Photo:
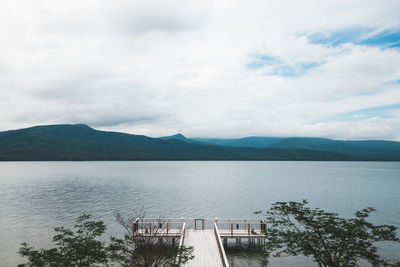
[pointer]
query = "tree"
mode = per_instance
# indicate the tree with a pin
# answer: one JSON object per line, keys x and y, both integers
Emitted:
{"x": 83, "y": 247}
{"x": 296, "y": 229}
{"x": 74, "y": 248}
{"x": 142, "y": 245}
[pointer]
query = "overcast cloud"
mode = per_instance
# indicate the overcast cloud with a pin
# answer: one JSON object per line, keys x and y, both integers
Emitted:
{"x": 213, "y": 68}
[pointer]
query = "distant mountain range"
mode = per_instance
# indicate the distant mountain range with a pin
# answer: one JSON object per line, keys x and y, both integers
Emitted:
{"x": 365, "y": 149}
{"x": 81, "y": 142}
{"x": 368, "y": 149}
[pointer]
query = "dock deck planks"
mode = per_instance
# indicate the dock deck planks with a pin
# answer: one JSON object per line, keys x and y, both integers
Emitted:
{"x": 206, "y": 253}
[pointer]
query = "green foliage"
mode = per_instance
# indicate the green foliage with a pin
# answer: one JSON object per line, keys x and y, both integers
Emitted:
{"x": 186, "y": 254}
{"x": 73, "y": 248}
{"x": 144, "y": 250}
{"x": 296, "y": 229}
{"x": 82, "y": 247}
{"x": 138, "y": 252}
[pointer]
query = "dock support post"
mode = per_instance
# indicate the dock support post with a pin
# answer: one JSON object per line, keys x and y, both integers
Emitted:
{"x": 265, "y": 228}
{"x": 135, "y": 226}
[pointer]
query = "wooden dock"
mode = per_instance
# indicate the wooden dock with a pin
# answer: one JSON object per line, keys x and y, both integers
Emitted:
{"x": 206, "y": 252}
{"x": 206, "y": 236}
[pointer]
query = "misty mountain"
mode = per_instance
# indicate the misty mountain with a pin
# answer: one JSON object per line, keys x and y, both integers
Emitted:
{"x": 368, "y": 149}
{"x": 372, "y": 149}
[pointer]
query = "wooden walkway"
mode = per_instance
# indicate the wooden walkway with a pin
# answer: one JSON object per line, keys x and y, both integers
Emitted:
{"x": 207, "y": 243}
{"x": 206, "y": 253}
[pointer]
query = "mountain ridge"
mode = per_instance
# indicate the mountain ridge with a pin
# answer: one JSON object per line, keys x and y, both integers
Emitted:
{"x": 371, "y": 149}
{"x": 81, "y": 142}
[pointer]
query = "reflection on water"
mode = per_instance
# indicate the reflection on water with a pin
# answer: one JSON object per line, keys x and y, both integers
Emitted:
{"x": 245, "y": 255}
{"x": 35, "y": 197}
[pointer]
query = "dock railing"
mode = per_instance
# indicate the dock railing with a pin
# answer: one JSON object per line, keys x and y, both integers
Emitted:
{"x": 161, "y": 227}
{"x": 180, "y": 247}
{"x": 220, "y": 247}
{"x": 242, "y": 227}
{"x": 171, "y": 227}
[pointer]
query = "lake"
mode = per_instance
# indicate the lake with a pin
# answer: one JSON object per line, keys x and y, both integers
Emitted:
{"x": 35, "y": 197}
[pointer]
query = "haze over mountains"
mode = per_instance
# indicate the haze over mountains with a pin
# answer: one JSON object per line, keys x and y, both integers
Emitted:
{"x": 379, "y": 149}
{"x": 81, "y": 142}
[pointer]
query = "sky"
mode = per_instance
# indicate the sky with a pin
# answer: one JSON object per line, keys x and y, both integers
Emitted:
{"x": 210, "y": 68}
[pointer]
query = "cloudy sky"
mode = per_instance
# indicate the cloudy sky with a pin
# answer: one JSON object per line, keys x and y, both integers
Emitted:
{"x": 214, "y": 68}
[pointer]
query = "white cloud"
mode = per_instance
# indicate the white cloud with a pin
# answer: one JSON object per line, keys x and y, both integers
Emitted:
{"x": 161, "y": 67}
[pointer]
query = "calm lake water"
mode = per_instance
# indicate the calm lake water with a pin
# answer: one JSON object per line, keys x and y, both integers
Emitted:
{"x": 35, "y": 197}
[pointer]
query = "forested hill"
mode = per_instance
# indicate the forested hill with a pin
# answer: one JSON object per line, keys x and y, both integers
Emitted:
{"x": 368, "y": 149}
{"x": 81, "y": 142}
